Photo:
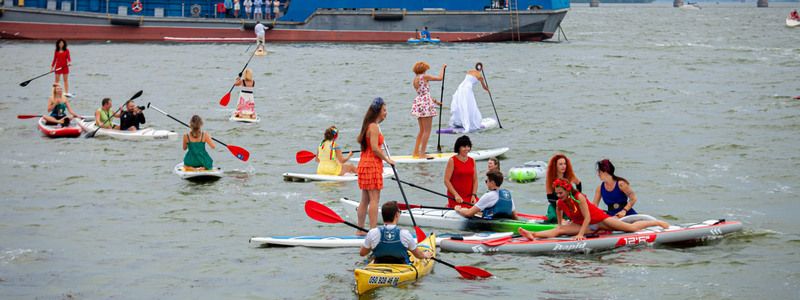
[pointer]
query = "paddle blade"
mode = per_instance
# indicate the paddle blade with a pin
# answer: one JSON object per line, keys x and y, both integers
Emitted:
{"x": 24, "y": 83}
{"x": 469, "y": 272}
{"x": 28, "y": 116}
{"x": 420, "y": 234}
{"x": 403, "y": 206}
{"x": 322, "y": 213}
{"x": 797, "y": 97}
{"x": 225, "y": 99}
{"x": 304, "y": 156}
{"x": 137, "y": 95}
{"x": 239, "y": 152}
{"x": 496, "y": 242}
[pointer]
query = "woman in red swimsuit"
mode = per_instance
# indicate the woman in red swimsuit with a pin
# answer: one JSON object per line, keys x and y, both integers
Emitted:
{"x": 576, "y": 206}
{"x": 370, "y": 166}
{"x": 60, "y": 64}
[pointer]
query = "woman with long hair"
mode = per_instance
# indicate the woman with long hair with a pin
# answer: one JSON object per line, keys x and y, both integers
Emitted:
{"x": 615, "y": 191}
{"x": 58, "y": 106}
{"x": 370, "y": 166}
{"x": 61, "y": 63}
{"x": 585, "y": 216}
{"x": 329, "y": 155}
{"x": 194, "y": 143}
{"x": 246, "y": 107}
{"x": 559, "y": 167}
{"x": 424, "y": 106}
{"x": 460, "y": 177}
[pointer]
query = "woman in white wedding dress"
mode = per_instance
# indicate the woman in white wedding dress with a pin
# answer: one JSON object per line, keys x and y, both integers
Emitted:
{"x": 464, "y": 109}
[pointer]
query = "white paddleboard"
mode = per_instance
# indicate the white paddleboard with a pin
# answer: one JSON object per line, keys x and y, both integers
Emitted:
{"x": 352, "y": 241}
{"x": 443, "y": 157}
{"x": 206, "y": 175}
{"x": 244, "y": 120}
{"x": 486, "y": 124}
{"x": 88, "y": 125}
{"x": 300, "y": 177}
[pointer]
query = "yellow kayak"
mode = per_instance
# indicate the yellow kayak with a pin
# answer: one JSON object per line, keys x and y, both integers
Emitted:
{"x": 377, "y": 275}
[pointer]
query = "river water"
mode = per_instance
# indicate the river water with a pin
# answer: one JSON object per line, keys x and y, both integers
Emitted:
{"x": 693, "y": 107}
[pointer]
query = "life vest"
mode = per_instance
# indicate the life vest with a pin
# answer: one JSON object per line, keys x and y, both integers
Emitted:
{"x": 503, "y": 208}
{"x": 390, "y": 245}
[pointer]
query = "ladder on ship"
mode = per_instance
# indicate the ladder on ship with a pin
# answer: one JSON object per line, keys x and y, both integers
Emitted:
{"x": 513, "y": 14}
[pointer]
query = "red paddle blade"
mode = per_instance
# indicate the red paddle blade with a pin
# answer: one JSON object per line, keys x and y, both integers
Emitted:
{"x": 239, "y": 152}
{"x": 420, "y": 234}
{"x": 531, "y": 216}
{"x": 28, "y": 116}
{"x": 304, "y": 156}
{"x": 496, "y": 242}
{"x": 322, "y": 213}
{"x": 797, "y": 97}
{"x": 469, "y": 272}
{"x": 403, "y": 206}
{"x": 225, "y": 99}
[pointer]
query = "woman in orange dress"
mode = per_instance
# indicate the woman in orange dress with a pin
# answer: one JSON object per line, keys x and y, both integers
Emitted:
{"x": 370, "y": 166}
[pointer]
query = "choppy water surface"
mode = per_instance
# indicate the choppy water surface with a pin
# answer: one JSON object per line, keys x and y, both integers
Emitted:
{"x": 694, "y": 108}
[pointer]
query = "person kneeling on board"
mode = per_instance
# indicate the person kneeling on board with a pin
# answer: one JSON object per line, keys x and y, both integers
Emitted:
{"x": 586, "y": 217}
{"x": 103, "y": 116}
{"x": 132, "y": 117}
{"x": 388, "y": 243}
{"x": 495, "y": 204}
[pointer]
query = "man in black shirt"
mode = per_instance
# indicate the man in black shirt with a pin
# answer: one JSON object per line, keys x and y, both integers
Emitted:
{"x": 132, "y": 117}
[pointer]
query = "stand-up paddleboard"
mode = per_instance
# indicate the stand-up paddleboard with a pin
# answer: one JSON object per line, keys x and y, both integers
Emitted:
{"x": 301, "y": 177}
{"x": 89, "y": 125}
{"x": 443, "y": 157}
{"x": 423, "y": 41}
{"x": 69, "y": 95}
{"x": 208, "y": 39}
{"x": 261, "y": 51}
{"x": 792, "y": 22}
{"x": 198, "y": 176}
{"x": 244, "y": 120}
{"x": 528, "y": 171}
{"x": 56, "y": 131}
{"x": 486, "y": 124}
{"x": 676, "y": 234}
{"x": 354, "y": 241}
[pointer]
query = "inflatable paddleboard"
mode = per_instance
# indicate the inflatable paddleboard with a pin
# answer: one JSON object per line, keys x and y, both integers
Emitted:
{"x": 89, "y": 125}
{"x": 198, "y": 176}
{"x": 528, "y": 171}
{"x": 653, "y": 236}
{"x": 443, "y": 157}
{"x": 354, "y": 241}
{"x": 300, "y": 177}
{"x": 423, "y": 41}
{"x": 486, "y": 124}
{"x": 56, "y": 131}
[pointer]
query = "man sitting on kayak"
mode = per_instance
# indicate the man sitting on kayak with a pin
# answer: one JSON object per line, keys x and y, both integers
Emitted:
{"x": 495, "y": 204}
{"x": 388, "y": 243}
{"x": 103, "y": 115}
{"x": 426, "y": 35}
{"x": 132, "y": 117}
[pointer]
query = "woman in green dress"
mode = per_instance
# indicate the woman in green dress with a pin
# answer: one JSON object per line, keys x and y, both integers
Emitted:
{"x": 194, "y": 142}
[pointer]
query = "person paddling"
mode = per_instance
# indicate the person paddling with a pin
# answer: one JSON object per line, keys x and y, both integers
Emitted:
{"x": 58, "y": 106}
{"x": 194, "y": 143}
{"x": 61, "y": 63}
{"x": 495, "y": 204}
{"x": 103, "y": 115}
{"x": 460, "y": 177}
{"x": 370, "y": 166}
{"x": 246, "y": 107}
{"x": 330, "y": 158}
{"x": 424, "y": 106}
{"x": 388, "y": 243}
{"x": 585, "y": 216}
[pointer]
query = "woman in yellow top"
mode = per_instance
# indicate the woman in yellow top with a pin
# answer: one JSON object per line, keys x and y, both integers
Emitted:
{"x": 329, "y": 156}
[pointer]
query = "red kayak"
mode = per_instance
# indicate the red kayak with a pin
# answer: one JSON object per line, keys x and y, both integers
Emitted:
{"x": 56, "y": 131}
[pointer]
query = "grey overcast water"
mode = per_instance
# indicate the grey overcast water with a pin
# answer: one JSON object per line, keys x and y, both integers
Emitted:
{"x": 695, "y": 108}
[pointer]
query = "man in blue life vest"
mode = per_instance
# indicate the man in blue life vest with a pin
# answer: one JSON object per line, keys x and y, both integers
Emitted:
{"x": 495, "y": 204}
{"x": 388, "y": 243}
{"x": 425, "y": 33}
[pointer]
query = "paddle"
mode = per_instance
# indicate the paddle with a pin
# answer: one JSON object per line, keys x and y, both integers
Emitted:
{"x": 25, "y": 83}
{"x": 441, "y": 102}
{"x": 479, "y": 67}
{"x": 322, "y": 213}
{"x": 227, "y": 98}
{"x": 91, "y": 135}
{"x": 420, "y": 233}
{"x": 239, "y": 152}
{"x": 304, "y": 156}
{"x": 28, "y": 116}
{"x": 497, "y": 242}
{"x": 428, "y": 190}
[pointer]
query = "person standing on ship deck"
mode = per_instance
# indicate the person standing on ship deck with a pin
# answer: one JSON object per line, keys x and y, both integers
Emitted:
{"x": 248, "y": 6}
{"x": 257, "y": 9}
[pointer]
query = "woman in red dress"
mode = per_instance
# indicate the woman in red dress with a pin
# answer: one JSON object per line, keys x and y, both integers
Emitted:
{"x": 460, "y": 177}
{"x": 60, "y": 64}
{"x": 370, "y": 166}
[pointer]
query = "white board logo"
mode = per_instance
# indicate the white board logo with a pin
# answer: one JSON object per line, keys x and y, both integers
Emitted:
{"x": 570, "y": 246}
